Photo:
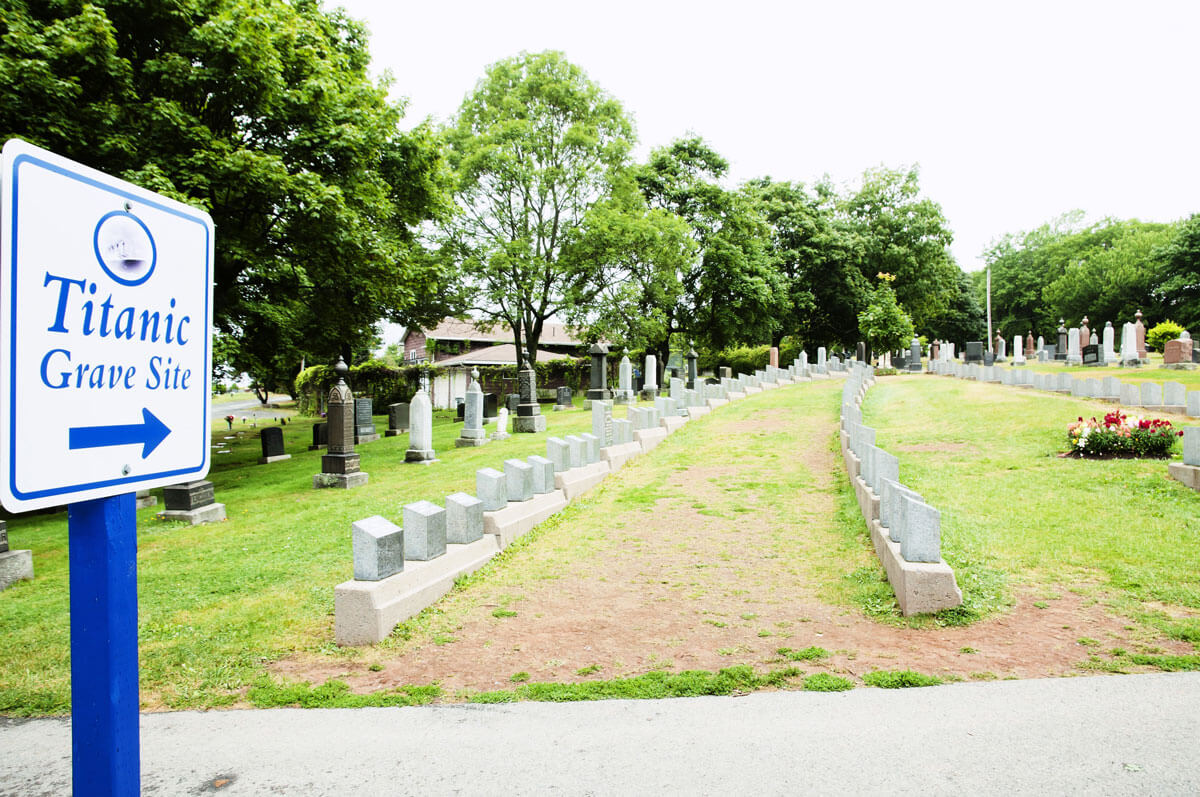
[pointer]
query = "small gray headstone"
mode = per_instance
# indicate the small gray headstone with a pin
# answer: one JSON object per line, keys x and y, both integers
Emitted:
{"x": 492, "y": 489}
{"x": 464, "y": 518}
{"x": 1174, "y": 394}
{"x": 1193, "y": 403}
{"x": 378, "y": 548}
{"x": 424, "y": 531}
{"x": 922, "y": 540}
{"x": 519, "y": 476}
{"x": 1151, "y": 394}
{"x": 3, "y": 536}
{"x": 558, "y": 451}
{"x": 1131, "y": 396}
{"x": 575, "y": 444}
{"x": 398, "y": 417}
{"x": 1191, "y": 445}
{"x": 543, "y": 474}
{"x": 591, "y": 448}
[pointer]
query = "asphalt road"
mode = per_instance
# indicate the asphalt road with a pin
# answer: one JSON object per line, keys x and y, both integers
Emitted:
{"x": 1132, "y": 734}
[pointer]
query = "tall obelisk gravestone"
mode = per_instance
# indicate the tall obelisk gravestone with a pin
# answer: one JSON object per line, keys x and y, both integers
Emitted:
{"x": 529, "y": 414}
{"x": 339, "y": 465}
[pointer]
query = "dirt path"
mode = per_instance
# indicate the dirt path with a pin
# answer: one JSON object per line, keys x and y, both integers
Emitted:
{"x": 672, "y": 566}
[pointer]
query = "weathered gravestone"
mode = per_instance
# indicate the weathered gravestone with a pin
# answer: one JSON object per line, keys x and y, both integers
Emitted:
{"x": 364, "y": 423}
{"x": 501, "y": 432}
{"x": 424, "y": 531}
{"x": 1177, "y": 351}
{"x": 320, "y": 436}
{"x": 650, "y": 381}
{"x": 397, "y": 419}
{"x": 598, "y": 384}
{"x": 1090, "y": 355}
{"x": 464, "y": 518}
{"x": 339, "y": 465}
{"x": 529, "y": 413}
{"x": 491, "y": 407}
{"x": 15, "y": 565}
{"x": 692, "y": 357}
{"x": 1074, "y": 350}
{"x": 1060, "y": 348}
{"x": 420, "y": 433}
{"x": 974, "y": 352}
{"x": 511, "y": 402}
{"x": 602, "y": 422}
{"x": 378, "y": 546}
{"x": 472, "y": 433}
{"x": 271, "y": 440}
{"x": 562, "y": 399}
{"x": 624, "y": 394}
{"x": 192, "y": 501}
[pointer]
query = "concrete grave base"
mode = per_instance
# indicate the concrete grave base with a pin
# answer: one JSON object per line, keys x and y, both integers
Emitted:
{"x": 388, "y": 433}
{"x": 269, "y": 460}
{"x": 365, "y": 612}
{"x": 342, "y": 481}
{"x": 617, "y": 455}
{"x": 698, "y": 412}
{"x": 673, "y": 422}
{"x": 818, "y": 376}
{"x": 469, "y": 442}
{"x": 205, "y": 514}
{"x": 561, "y": 407}
{"x": 1181, "y": 366}
{"x": 750, "y": 391}
{"x": 317, "y": 448}
{"x": 649, "y": 393}
{"x": 519, "y": 517}
{"x": 715, "y": 402}
{"x": 734, "y": 396}
{"x": 769, "y": 385}
{"x": 868, "y": 502}
{"x": 143, "y": 501}
{"x": 648, "y": 439}
{"x": 529, "y": 424}
{"x": 1168, "y": 409}
{"x": 423, "y": 455}
{"x": 577, "y": 481}
{"x": 365, "y": 438}
{"x": 1187, "y": 474}
{"x": 16, "y": 565}
{"x": 920, "y": 587}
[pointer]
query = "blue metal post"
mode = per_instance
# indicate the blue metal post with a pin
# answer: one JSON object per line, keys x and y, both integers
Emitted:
{"x": 106, "y": 759}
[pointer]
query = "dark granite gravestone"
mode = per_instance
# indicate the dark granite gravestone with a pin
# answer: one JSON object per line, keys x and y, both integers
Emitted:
{"x": 989, "y": 358}
{"x": 460, "y": 410}
{"x": 364, "y": 425}
{"x": 1196, "y": 354}
{"x": 512, "y": 401}
{"x": 1091, "y": 355}
{"x": 1060, "y": 350}
{"x": 320, "y": 436}
{"x": 692, "y": 357}
{"x": 271, "y": 439}
{"x": 974, "y": 351}
{"x": 598, "y": 384}
{"x": 3, "y": 536}
{"x": 191, "y": 495}
{"x": 1051, "y": 352}
{"x": 725, "y": 372}
{"x": 860, "y": 352}
{"x": 397, "y": 419}
{"x": 529, "y": 417}
{"x": 491, "y": 407}
{"x": 562, "y": 398}
{"x": 340, "y": 465}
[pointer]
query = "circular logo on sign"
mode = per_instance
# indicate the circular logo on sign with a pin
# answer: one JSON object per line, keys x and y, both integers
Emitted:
{"x": 125, "y": 247}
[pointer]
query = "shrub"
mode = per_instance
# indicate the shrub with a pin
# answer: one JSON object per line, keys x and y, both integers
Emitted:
{"x": 1157, "y": 337}
{"x": 899, "y": 679}
{"x": 1120, "y": 435}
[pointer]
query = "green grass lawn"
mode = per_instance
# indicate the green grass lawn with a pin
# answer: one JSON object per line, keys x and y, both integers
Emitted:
{"x": 986, "y": 456}
{"x": 1154, "y": 372}
{"x": 216, "y": 601}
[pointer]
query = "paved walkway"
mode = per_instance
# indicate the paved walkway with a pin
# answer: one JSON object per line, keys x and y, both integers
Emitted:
{"x": 1132, "y": 734}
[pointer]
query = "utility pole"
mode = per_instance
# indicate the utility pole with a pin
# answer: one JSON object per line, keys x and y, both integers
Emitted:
{"x": 989, "y": 308}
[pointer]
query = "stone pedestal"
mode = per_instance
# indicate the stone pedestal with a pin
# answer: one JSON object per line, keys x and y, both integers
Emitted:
{"x": 142, "y": 500}
{"x": 15, "y": 566}
{"x": 192, "y": 502}
{"x": 339, "y": 467}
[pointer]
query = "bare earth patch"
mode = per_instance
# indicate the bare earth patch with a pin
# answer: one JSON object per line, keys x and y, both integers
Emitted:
{"x": 711, "y": 573}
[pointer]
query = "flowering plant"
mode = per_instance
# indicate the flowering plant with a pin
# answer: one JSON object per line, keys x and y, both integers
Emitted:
{"x": 1121, "y": 435}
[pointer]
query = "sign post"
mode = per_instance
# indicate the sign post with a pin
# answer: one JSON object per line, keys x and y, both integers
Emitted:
{"x": 105, "y": 379}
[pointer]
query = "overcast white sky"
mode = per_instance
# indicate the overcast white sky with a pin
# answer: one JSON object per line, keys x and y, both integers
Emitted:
{"x": 1015, "y": 111}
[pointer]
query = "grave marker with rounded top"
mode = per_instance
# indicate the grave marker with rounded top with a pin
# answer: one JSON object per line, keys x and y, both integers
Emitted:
{"x": 378, "y": 546}
{"x": 464, "y": 518}
{"x": 424, "y": 531}
{"x": 420, "y": 435}
{"x": 624, "y": 380}
{"x": 501, "y": 432}
{"x": 650, "y": 383}
{"x": 473, "y": 433}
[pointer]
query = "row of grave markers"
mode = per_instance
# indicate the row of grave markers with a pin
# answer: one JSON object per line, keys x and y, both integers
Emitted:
{"x": 905, "y": 530}
{"x": 469, "y": 529}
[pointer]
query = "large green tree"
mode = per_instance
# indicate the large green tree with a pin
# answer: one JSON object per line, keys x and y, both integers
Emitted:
{"x": 534, "y": 147}
{"x": 262, "y": 113}
{"x": 728, "y": 293}
{"x": 1178, "y": 293}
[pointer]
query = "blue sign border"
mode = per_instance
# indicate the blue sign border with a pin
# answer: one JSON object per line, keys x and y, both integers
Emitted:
{"x": 67, "y": 491}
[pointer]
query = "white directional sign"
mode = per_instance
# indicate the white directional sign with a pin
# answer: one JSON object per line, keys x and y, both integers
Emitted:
{"x": 105, "y": 319}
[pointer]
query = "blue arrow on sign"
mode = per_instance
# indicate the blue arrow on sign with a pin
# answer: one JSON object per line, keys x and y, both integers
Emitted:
{"x": 150, "y": 432}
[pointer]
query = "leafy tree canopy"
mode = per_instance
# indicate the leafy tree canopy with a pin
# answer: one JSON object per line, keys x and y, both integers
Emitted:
{"x": 262, "y": 113}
